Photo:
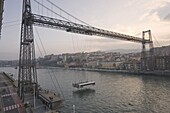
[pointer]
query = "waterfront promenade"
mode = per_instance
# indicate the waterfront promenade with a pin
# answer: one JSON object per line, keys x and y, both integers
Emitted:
{"x": 137, "y": 72}
{"x": 9, "y": 100}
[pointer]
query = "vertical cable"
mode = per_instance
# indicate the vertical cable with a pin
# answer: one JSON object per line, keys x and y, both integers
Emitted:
{"x": 42, "y": 7}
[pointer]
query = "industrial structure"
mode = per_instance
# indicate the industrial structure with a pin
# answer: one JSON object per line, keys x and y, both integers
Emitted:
{"x": 151, "y": 59}
{"x": 157, "y": 58}
{"x": 1, "y": 14}
{"x": 27, "y": 78}
{"x": 144, "y": 54}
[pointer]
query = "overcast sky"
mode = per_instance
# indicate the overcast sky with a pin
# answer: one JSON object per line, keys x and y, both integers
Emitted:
{"x": 124, "y": 16}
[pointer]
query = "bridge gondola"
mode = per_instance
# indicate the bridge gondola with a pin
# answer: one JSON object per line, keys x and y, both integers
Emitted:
{"x": 82, "y": 84}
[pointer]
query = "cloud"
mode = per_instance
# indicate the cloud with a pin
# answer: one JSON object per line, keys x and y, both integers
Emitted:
{"x": 144, "y": 16}
{"x": 158, "y": 11}
{"x": 155, "y": 4}
{"x": 150, "y": 17}
{"x": 155, "y": 11}
{"x": 167, "y": 17}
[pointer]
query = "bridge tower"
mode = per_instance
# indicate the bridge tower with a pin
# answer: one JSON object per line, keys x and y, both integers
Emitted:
{"x": 27, "y": 76}
{"x": 147, "y": 62}
{"x": 1, "y": 14}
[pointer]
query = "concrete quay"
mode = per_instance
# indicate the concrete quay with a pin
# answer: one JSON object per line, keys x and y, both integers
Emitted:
{"x": 138, "y": 72}
{"x": 10, "y": 102}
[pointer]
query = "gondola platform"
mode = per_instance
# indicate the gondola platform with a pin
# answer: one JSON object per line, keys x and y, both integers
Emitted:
{"x": 82, "y": 84}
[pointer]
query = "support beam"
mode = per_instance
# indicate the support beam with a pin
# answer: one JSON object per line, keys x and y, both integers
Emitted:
{"x": 48, "y": 22}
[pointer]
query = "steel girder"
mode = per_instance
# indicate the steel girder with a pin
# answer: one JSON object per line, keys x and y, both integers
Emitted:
{"x": 48, "y": 22}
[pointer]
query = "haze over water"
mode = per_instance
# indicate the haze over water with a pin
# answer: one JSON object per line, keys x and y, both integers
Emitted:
{"x": 113, "y": 93}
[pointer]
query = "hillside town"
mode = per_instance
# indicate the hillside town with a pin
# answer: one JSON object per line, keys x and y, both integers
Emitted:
{"x": 96, "y": 59}
{"x": 159, "y": 60}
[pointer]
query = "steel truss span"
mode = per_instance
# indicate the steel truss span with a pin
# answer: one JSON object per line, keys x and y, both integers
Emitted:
{"x": 48, "y": 22}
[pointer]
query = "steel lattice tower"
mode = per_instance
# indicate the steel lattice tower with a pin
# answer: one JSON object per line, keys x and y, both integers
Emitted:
{"x": 147, "y": 64}
{"x": 27, "y": 78}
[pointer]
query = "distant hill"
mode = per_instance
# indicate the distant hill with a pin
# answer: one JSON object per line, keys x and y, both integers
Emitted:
{"x": 124, "y": 50}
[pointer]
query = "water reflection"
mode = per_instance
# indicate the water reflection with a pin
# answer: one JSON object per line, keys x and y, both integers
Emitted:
{"x": 83, "y": 92}
{"x": 156, "y": 92}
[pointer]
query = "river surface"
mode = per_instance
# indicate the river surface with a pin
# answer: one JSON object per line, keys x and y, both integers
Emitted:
{"x": 113, "y": 93}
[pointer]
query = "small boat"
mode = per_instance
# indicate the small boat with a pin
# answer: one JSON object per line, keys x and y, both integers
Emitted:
{"x": 82, "y": 84}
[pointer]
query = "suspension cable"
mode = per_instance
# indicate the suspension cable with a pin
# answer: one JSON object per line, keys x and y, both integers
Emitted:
{"x": 38, "y": 47}
{"x": 67, "y": 13}
{"x": 156, "y": 40}
{"x": 48, "y": 68}
{"x": 51, "y": 10}
{"x": 40, "y": 41}
{"x": 138, "y": 34}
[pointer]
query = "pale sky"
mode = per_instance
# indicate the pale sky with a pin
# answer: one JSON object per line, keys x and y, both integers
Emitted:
{"x": 124, "y": 16}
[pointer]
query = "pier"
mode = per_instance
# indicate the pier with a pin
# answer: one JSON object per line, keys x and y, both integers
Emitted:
{"x": 50, "y": 99}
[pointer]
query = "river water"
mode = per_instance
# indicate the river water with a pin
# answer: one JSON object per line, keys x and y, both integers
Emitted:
{"x": 113, "y": 93}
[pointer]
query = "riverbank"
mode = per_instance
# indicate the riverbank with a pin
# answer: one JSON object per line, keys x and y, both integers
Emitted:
{"x": 158, "y": 73}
